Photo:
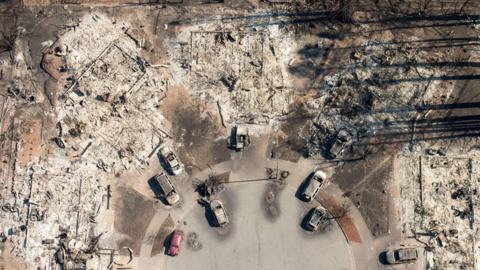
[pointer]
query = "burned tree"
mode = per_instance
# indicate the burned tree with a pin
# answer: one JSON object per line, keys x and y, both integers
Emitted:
{"x": 345, "y": 11}
{"x": 211, "y": 186}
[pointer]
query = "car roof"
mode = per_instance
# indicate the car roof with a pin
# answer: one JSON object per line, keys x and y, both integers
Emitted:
{"x": 321, "y": 174}
{"x": 164, "y": 183}
{"x": 165, "y": 150}
{"x": 216, "y": 203}
{"x": 407, "y": 253}
{"x": 317, "y": 214}
{"x": 313, "y": 185}
{"x": 177, "y": 237}
{"x": 219, "y": 211}
{"x": 174, "y": 161}
{"x": 173, "y": 198}
{"x": 174, "y": 250}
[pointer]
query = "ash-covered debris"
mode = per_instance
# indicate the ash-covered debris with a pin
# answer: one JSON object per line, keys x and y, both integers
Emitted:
{"x": 248, "y": 76}
{"x": 113, "y": 90}
{"x": 56, "y": 181}
{"x": 51, "y": 215}
{"x": 277, "y": 182}
{"x": 361, "y": 79}
{"x": 440, "y": 210}
{"x": 367, "y": 100}
{"x": 193, "y": 242}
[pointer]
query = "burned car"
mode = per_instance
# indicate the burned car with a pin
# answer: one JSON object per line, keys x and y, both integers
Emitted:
{"x": 219, "y": 213}
{"x": 168, "y": 190}
{"x": 343, "y": 140}
{"x": 315, "y": 183}
{"x": 239, "y": 138}
{"x": 317, "y": 216}
{"x": 171, "y": 160}
{"x": 401, "y": 255}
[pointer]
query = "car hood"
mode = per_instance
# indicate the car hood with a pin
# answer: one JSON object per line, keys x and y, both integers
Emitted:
{"x": 173, "y": 162}
{"x": 173, "y": 198}
{"x": 177, "y": 170}
{"x": 173, "y": 251}
{"x": 390, "y": 257}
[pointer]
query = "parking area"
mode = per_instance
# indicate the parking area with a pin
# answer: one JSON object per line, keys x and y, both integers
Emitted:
{"x": 263, "y": 232}
{"x": 255, "y": 241}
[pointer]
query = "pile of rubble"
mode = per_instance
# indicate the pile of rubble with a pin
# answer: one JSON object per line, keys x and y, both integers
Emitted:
{"x": 54, "y": 209}
{"x": 439, "y": 209}
{"x": 370, "y": 105}
{"x": 242, "y": 72}
{"x": 249, "y": 75}
{"x": 113, "y": 91}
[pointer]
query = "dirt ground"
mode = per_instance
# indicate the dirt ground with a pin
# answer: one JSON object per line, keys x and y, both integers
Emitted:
{"x": 365, "y": 182}
{"x": 162, "y": 237}
{"x": 31, "y": 145}
{"x": 9, "y": 262}
{"x": 345, "y": 222}
{"x": 133, "y": 215}
{"x": 289, "y": 143}
{"x": 197, "y": 129}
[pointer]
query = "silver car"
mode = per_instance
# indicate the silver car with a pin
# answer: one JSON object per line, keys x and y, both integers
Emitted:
{"x": 402, "y": 255}
{"x": 219, "y": 212}
{"x": 171, "y": 159}
{"x": 168, "y": 190}
{"x": 314, "y": 185}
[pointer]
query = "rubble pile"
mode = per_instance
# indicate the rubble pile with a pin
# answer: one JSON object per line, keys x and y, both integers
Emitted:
{"x": 251, "y": 75}
{"x": 440, "y": 209}
{"x": 373, "y": 95}
{"x": 243, "y": 71}
{"x": 116, "y": 93}
{"x": 53, "y": 208}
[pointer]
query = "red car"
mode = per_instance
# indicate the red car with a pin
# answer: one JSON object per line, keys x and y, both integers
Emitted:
{"x": 175, "y": 242}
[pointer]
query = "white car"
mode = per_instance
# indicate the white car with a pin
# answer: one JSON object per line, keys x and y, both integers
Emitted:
{"x": 314, "y": 185}
{"x": 402, "y": 255}
{"x": 168, "y": 190}
{"x": 219, "y": 212}
{"x": 171, "y": 159}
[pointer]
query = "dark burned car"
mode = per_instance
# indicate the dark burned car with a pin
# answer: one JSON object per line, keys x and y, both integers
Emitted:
{"x": 317, "y": 216}
{"x": 239, "y": 138}
{"x": 343, "y": 140}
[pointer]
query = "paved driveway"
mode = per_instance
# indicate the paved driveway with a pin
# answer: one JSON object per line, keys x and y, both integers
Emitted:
{"x": 255, "y": 240}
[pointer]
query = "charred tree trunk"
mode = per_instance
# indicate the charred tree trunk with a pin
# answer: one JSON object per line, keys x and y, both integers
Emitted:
{"x": 345, "y": 12}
